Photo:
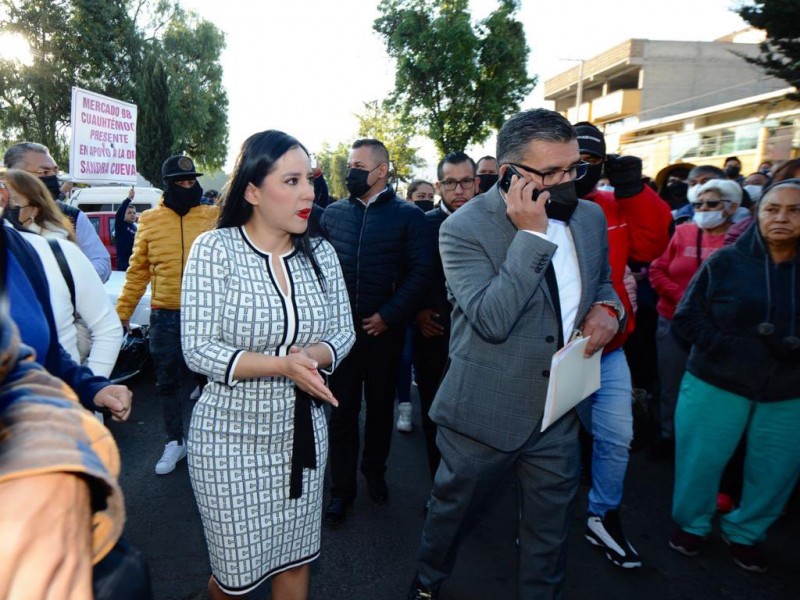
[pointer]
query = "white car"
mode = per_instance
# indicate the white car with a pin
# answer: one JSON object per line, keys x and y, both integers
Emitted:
{"x": 111, "y": 196}
{"x": 140, "y": 316}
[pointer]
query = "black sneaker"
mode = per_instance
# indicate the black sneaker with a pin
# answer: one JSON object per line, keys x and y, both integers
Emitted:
{"x": 420, "y": 592}
{"x": 336, "y": 512}
{"x": 685, "y": 543}
{"x": 750, "y": 558}
{"x": 606, "y": 533}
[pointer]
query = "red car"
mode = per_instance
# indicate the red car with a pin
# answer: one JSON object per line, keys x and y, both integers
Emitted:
{"x": 103, "y": 222}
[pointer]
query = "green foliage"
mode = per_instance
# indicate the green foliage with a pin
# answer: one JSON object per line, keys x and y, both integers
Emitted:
{"x": 455, "y": 81}
{"x": 198, "y": 102}
{"x": 780, "y": 52}
{"x": 333, "y": 162}
{"x": 381, "y": 123}
{"x": 155, "y": 140}
{"x": 111, "y": 47}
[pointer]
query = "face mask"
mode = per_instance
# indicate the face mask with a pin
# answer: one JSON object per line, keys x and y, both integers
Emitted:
{"x": 585, "y": 185}
{"x": 181, "y": 199}
{"x": 562, "y": 202}
{"x": 675, "y": 194}
{"x": 12, "y": 214}
{"x": 486, "y": 181}
{"x": 425, "y": 205}
{"x": 691, "y": 195}
{"x": 709, "y": 219}
{"x": 754, "y": 191}
{"x": 52, "y": 185}
{"x": 357, "y": 183}
{"x": 732, "y": 172}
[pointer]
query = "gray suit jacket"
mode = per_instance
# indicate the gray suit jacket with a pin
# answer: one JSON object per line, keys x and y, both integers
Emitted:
{"x": 504, "y": 330}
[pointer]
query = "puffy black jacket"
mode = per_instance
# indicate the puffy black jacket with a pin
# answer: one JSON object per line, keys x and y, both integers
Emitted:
{"x": 384, "y": 252}
{"x": 720, "y": 313}
{"x": 436, "y": 296}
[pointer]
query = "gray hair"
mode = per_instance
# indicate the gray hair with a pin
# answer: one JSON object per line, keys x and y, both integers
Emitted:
{"x": 729, "y": 191}
{"x": 708, "y": 169}
{"x": 789, "y": 183}
{"x": 530, "y": 125}
{"x": 14, "y": 155}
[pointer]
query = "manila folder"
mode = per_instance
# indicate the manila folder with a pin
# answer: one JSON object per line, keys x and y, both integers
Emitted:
{"x": 572, "y": 378}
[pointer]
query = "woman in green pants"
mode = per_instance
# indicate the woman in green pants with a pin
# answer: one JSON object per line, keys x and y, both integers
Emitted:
{"x": 741, "y": 313}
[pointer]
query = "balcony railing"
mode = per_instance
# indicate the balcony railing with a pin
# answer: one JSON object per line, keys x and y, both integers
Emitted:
{"x": 616, "y": 105}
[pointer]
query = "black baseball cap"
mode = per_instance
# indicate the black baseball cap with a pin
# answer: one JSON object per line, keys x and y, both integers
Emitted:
{"x": 178, "y": 167}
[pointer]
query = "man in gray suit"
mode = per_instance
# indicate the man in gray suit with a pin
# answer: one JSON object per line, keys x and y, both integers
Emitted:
{"x": 526, "y": 263}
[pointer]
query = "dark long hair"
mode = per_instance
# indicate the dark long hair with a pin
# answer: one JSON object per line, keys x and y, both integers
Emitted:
{"x": 256, "y": 160}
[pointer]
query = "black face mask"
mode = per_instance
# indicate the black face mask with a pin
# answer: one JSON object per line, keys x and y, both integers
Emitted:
{"x": 585, "y": 185}
{"x": 676, "y": 195}
{"x": 425, "y": 205}
{"x": 181, "y": 199}
{"x": 486, "y": 181}
{"x": 562, "y": 202}
{"x": 12, "y": 214}
{"x": 52, "y": 185}
{"x": 356, "y": 182}
{"x": 732, "y": 172}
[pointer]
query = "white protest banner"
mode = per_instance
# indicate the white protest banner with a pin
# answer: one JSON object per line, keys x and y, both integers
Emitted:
{"x": 103, "y": 148}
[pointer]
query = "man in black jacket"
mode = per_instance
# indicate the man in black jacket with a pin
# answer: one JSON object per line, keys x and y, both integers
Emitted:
{"x": 457, "y": 184}
{"x": 125, "y": 231}
{"x": 383, "y": 248}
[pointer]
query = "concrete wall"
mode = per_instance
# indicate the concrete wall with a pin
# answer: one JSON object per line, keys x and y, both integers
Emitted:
{"x": 679, "y": 77}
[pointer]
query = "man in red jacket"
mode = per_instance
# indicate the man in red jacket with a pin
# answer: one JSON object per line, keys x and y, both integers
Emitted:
{"x": 638, "y": 230}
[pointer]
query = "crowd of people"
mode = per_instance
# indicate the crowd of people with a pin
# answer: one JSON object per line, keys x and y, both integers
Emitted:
{"x": 291, "y": 310}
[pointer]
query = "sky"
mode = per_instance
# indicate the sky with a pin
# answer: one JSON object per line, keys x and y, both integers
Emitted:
{"x": 307, "y": 66}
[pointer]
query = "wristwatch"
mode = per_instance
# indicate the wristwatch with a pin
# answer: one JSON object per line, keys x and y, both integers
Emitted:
{"x": 616, "y": 307}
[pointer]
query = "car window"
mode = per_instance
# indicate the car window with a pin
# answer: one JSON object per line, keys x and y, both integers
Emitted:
{"x": 95, "y": 221}
{"x": 111, "y": 229}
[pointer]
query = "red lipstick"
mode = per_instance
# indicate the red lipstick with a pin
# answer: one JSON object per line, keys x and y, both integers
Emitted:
{"x": 304, "y": 214}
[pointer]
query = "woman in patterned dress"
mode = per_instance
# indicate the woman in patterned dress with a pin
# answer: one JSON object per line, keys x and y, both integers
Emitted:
{"x": 264, "y": 309}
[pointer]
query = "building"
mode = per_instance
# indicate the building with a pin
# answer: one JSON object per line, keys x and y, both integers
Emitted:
{"x": 670, "y": 101}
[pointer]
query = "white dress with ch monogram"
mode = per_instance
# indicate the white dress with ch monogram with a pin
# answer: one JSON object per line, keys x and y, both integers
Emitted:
{"x": 242, "y": 431}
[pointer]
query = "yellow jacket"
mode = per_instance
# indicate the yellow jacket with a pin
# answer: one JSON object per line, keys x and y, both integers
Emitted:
{"x": 160, "y": 250}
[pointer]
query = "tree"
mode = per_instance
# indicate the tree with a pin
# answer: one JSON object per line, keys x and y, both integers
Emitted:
{"x": 780, "y": 51}
{"x": 455, "y": 81}
{"x": 381, "y": 123}
{"x": 36, "y": 98}
{"x": 108, "y": 47}
{"x": 155, "y": 140}
{"x": 333, "y": 162}
{"x": 198, "y": 102}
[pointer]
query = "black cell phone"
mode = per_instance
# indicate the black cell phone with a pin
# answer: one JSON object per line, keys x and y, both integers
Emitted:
{"x": 505, "y": 182}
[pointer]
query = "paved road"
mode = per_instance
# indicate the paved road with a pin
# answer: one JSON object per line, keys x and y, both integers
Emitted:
{"x": 372, "y": 555}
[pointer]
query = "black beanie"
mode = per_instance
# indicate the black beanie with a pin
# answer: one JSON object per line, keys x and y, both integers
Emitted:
{"x": 591, "y": 140}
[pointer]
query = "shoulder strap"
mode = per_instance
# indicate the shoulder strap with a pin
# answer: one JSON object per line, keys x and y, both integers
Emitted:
{"x": 64, "y": 266}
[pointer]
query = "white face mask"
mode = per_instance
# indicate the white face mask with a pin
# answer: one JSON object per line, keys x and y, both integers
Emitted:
{"x": 754, "y": 191}
{"x": 710, "y": 219}
{"x": 691, "y": 194}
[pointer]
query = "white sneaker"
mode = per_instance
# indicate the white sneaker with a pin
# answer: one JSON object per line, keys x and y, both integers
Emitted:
{"x": 404, "y": 417}
{"x": 173, "y": 452}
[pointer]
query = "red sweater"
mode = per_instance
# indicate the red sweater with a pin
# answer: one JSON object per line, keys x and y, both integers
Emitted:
{"x": 638, "y": 230}
{"x": 671, "y": 273}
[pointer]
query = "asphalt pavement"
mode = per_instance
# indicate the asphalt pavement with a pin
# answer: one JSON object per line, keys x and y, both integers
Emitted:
{"x": 371, "y": 556}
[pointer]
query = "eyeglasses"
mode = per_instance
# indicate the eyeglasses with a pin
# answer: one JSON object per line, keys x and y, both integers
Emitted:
{"x": 550, "y": 178}
{"x": 707, "y": 203}
{"x": 451, "y": 184}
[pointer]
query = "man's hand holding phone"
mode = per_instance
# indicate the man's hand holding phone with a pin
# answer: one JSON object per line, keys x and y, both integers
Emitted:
{"x": 526, "y": 202}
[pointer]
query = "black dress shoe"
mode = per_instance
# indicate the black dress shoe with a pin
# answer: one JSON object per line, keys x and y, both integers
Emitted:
{"x": 378, "y": 492}
{"x": 420, "y": 592}
{"x": 336, "y": 512}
